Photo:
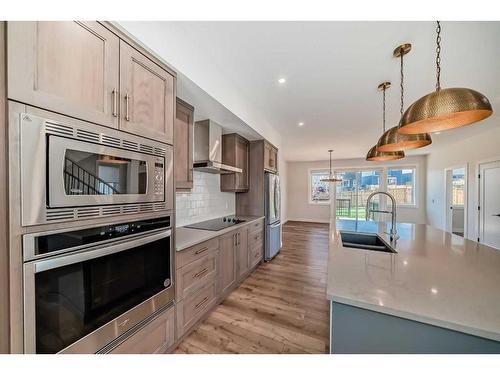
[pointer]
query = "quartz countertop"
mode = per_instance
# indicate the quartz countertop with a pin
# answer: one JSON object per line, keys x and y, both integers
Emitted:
{"x": 435, "y": 277}
{"x": 187, "y": 237}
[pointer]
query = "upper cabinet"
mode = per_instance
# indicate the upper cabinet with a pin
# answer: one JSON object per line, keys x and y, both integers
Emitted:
{"x": 235, "y": 151}
{"x": 84, "y": 70}
{"x": 270, "y": 157}
{"x": 66, "y": 67}
{"x": 183, "y": 145}
{"x": 147, "y": 93}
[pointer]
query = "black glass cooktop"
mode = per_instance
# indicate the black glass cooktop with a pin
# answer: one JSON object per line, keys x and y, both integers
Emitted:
{"x": 216, "y": 224}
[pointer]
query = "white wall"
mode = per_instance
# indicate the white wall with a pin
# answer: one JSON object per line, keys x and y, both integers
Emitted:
{"x": 204, "y": 202}
{"x": 471, "y": 150}
{"x": 299, "y": 208}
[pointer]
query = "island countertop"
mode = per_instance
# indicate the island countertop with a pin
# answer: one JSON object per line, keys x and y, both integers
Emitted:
{"x": 187, "y": 237}
{"x": 435, "y": 277}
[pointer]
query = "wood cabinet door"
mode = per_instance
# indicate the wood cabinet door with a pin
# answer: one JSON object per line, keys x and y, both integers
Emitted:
{"x": 147, "y": 96}
{"x": 66, "y": 67}
{"x": 183, "y": 145}
{"x": 242, "y": 150}
{"x": 242, "y": 243}
{"x": 270, "y": 157}
{"x": 227, "y": 258}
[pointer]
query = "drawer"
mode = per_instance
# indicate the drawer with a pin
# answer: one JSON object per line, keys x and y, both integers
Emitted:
{"x": 255, "y": 253}
{"x": 192, "y": 308}
{"x": 196, "y": 274}
{"x": 255, "y": 237}
{"x": 195, "y": 252}
{"x": 155, "y": 337}
{"x": 256, "y": 226}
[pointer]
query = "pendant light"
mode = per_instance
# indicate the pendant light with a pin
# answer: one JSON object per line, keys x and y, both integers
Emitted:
{"x": 444, "y": 109}
{"x": 391, "y": 140}
{"x": 374, "y": 154}
{"x": 331, "y": 176}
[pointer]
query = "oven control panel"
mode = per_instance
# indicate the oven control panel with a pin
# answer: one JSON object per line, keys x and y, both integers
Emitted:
{"x": 159, "y": 177}
{"x": 46, "y": 243}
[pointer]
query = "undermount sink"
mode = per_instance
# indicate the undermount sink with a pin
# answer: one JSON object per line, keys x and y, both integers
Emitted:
{"x": 365, "y": 241}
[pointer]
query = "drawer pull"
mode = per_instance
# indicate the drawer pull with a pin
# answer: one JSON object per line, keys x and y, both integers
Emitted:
{"x": 202, "y": 272}
{"x": 257, "y": 237}
{"x": 202, "y": 250}
{"x": 199, "y": 304}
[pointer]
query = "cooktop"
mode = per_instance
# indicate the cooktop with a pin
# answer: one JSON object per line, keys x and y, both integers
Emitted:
{"x": 216, "y": 224}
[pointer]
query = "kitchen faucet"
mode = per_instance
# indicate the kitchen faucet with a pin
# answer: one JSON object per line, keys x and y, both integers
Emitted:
{"x": 393, "y": 233}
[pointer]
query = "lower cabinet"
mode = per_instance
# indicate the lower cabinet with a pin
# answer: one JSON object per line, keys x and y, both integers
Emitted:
{"x": 192, "y": 308}
{"x": 242, "y": 251}
{"x": 228, "y": 275}
{"x": 154, "y": 338}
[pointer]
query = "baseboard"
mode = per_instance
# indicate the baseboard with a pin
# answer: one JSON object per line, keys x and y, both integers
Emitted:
{"x": 309, "y": 220}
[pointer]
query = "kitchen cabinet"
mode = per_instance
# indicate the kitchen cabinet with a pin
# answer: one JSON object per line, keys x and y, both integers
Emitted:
{"x": 255, "y": 243}
{"x": 228, "y": 275}
{"x": 270, "y": 157}
{"x": 235, "y": 152}
{"x": 191, "y": 309}
{"x": 242, "y": 251}
{"x": 66, "y": 67}
{"x": 183, "y": 145}
{"x": 147, "y": 93}
{"x": 155, "y": 337}
{"x": 88, "y": 71}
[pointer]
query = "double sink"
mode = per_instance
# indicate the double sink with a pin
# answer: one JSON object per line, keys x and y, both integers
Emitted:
{"x": 365, "y": 241}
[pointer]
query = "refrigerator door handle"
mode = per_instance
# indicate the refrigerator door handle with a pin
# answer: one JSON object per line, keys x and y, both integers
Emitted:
{"x": 277, "y": 224}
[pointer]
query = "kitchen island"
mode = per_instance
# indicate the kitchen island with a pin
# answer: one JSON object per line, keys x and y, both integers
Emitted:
{"x": 439, "y": 293}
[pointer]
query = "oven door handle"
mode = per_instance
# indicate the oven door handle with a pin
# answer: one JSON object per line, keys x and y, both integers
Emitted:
{"x": 64, "y": 260}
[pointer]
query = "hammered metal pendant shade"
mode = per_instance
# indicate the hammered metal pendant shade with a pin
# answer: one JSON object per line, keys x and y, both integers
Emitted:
{"x": 392, "y": 140}
{"x": 376, "y": 155}
{"x": 445, "y": 109}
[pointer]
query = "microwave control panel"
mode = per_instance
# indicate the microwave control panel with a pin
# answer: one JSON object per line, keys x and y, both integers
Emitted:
{"x": 159, "y": 177}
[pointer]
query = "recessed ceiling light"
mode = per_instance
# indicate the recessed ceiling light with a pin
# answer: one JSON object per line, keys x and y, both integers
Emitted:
{"x": 301, "y": 124}
{"x": 282, "y": 80}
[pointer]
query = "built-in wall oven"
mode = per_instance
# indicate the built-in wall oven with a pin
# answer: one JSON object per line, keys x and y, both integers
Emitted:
{"x": 73, "y": 170}
{"x": 85, "y": 287}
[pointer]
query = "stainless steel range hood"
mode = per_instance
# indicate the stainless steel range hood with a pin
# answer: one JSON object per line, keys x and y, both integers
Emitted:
{"x": 208, "y": 149}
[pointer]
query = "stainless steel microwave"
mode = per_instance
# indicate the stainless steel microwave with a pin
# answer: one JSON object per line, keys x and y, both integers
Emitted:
{"x": 73, "y": 170}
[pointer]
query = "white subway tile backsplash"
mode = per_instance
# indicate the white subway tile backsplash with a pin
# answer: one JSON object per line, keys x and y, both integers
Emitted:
{"x": 204, "y": 202}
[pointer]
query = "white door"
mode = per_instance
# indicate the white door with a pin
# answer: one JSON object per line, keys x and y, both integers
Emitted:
{"x": 456, "y": 192}
{"x": 489, "y": 198}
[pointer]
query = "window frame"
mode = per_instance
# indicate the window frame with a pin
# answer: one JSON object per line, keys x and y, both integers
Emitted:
{"x": 415, "y": 180}
{"x": 309, "y": 190}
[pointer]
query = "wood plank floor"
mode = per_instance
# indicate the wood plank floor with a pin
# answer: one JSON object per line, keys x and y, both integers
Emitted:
{"x": 280, "y": 308}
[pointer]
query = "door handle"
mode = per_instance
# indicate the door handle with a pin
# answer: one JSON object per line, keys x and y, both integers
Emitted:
{"x": 115, "y": 104}
{"x": 496, "y": 215}
{"x": 127, "y": 114}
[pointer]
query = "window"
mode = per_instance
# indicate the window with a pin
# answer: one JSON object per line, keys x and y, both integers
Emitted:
{"x": 458, "y": 187}
{"x": 319, "y": 190}
{"x": 401, "y": 184}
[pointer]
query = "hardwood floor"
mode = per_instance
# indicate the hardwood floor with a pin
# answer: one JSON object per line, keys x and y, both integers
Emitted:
{"x": 280, "y": 308}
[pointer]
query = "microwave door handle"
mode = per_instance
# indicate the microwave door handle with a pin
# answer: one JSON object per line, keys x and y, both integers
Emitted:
{"x": 64, "y": 260}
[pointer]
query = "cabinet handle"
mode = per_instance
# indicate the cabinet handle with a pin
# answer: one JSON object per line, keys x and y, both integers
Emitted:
{"x": 202, "y": 250}
{"x": 115, "y": 104}
{"x": 257, "y": 237}
{"x": 202, "y": 272}
{"x": 199, "y": 304}
{"x": 127, "y": 99}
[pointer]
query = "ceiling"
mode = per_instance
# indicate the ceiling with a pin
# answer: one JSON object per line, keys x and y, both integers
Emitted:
{"x": 332, "y": 71}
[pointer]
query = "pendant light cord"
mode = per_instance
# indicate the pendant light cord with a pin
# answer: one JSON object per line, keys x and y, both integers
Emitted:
{"x": 402, "y": 86}
{"x": 438, "y": 57}
{"x": 383, "y": 106}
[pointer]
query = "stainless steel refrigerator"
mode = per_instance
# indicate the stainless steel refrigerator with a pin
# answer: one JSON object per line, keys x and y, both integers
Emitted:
{"x": 272, "y": 209}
